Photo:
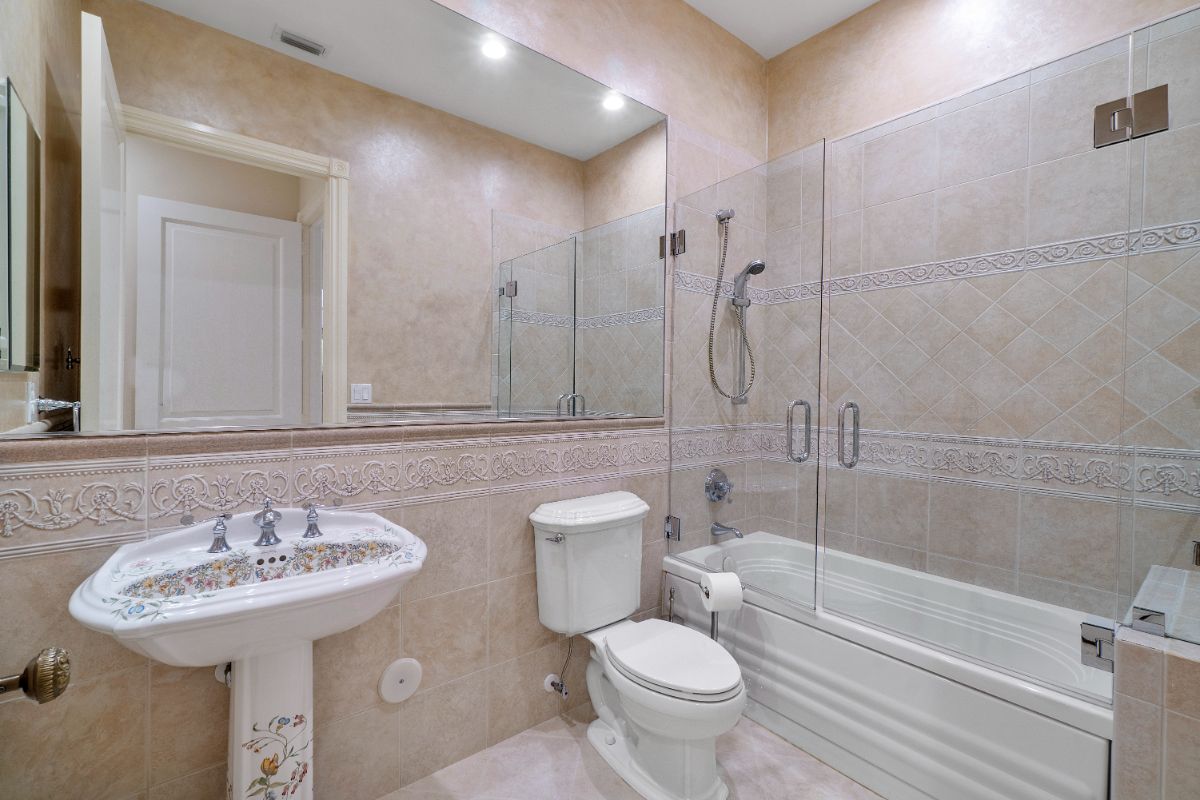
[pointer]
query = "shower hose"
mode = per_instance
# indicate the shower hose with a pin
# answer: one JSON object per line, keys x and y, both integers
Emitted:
{"x": 739, "y": 312}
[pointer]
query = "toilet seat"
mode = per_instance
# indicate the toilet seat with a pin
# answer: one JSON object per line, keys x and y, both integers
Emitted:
{"x": 673, "y": 660}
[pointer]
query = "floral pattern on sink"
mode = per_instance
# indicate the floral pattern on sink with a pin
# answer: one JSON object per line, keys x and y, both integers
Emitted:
{"x": 242, "y": 567}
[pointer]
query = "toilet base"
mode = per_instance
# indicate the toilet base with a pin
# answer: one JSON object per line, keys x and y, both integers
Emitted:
{"x": 614, "y": 749}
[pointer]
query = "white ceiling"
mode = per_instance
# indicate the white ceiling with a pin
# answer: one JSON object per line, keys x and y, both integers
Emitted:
{"x": 772, "y": 26}
{"x": 423, "y": 51}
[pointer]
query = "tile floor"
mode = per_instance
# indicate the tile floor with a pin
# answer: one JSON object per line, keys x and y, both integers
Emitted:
{"x": 554, "y": 761}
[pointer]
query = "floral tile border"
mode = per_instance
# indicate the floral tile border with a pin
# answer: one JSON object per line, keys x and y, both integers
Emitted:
{"x": 85, "y": 503}
{"x": 655, "y": 314}
{"x": 1168, "y": 479}
{"x": 1113, "y": 245}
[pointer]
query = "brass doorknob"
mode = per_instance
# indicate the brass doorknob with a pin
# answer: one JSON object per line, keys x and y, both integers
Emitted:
{"x": 45, "y": 677}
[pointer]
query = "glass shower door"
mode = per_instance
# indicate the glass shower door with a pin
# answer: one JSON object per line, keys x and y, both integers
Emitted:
{"x": 977, "y": 272}
{"x": 1161, "y": 420}
{"x": 738, "y": 465}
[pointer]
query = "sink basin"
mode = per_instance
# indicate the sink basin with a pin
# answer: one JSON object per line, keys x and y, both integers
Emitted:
{"x": 259, "y": 608}
{"x": 169, "y": 599}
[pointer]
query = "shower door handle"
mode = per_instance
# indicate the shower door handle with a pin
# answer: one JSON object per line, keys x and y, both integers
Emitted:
{"x": 803, "y": 456}
{"x": 852, "y": 407}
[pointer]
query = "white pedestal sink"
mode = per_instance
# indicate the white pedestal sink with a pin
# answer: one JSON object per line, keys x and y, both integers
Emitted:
{"x": 260, "y": 608}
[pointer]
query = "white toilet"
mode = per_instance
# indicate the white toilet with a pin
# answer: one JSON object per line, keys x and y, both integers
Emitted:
{"x": 663, "y": 692}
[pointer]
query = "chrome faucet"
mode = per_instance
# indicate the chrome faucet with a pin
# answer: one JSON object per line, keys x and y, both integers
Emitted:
{"x": 265, "y": 520}
{"x": 719, "y": 530}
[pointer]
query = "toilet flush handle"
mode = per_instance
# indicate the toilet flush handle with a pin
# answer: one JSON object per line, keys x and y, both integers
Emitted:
{"x": 556, "y": 538}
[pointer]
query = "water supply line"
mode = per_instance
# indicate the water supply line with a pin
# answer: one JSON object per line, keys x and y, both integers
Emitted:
{"x": 739, "y": 310}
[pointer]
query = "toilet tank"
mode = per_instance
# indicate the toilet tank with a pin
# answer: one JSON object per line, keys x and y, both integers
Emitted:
{"x": 589, "y": 560}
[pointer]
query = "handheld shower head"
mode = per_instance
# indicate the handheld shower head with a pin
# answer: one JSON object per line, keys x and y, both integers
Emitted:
{"x": 755, "y": 267}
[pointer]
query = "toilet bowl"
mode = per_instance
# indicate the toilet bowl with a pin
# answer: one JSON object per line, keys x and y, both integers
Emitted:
{"x": 662, "y": 692}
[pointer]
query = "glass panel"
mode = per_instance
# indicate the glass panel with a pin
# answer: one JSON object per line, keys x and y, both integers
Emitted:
{"x": 777, "y": 211}
{"x": 619, "y": 316}
{"x": 1161, "y": 423}
{"x": 502, "y": 378}
{"x": 978, "y": 267}
{"x": 542, "y": 337}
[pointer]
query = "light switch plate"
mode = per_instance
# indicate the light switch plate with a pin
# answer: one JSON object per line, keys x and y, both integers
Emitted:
{"x": 360, "y": 393}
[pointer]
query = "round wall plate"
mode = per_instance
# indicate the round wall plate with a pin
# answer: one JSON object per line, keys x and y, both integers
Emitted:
{"x": 400, "y": 680}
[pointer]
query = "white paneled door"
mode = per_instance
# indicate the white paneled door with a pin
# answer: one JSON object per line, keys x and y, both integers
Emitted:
{"x": 219, "y": 314}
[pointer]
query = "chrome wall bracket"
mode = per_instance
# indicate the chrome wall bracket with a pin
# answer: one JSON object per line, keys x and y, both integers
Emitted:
{"x": 1096, "y": 643}
{"x": 672, "y": 529}
{"x": 678, "y": 244}
{"x": 509, "y": 289}
{"x": 1132, "y": 118}
{"x": 1147, "y": 620}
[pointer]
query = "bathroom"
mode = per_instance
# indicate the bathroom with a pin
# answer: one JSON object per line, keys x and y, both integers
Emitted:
{"x": 874, "y": 321}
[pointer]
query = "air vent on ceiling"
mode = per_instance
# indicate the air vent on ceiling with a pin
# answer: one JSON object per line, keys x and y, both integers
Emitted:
{"x": 301, "y": 43}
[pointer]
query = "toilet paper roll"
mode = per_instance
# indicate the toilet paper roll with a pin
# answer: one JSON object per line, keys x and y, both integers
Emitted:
{"x": 720, "y": 591}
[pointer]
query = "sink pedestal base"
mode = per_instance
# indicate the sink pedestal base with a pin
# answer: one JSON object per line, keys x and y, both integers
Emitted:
{"x": 271, "y": 727}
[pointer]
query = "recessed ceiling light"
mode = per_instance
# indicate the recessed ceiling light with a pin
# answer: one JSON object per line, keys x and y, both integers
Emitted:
{"x": 494, "y": 48}
{"x": 613, "y": 101}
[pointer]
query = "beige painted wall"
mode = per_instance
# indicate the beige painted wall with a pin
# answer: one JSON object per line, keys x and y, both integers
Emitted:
{"x": 901, "y": 55}
{"x": 627, "y": 178}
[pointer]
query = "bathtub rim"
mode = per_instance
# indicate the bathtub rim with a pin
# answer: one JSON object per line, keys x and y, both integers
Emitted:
{"x": 1092, "y": 717}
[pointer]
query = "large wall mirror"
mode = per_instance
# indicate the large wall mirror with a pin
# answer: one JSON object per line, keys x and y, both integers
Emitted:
{"x": 20, "y": 209}
{"x": 485, "y": 245}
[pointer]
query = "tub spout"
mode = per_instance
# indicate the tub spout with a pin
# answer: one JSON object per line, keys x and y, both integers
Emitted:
{"x": 719, "y": 530}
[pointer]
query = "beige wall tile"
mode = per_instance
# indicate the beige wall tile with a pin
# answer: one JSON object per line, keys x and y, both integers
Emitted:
{"x": 1069, "y": 540}
{"x": 347, "y": 666}
{"x": 357, "y": 756}
{"x": 1139, "y": 672}
{"x": 1181, "y": 777}
{"x": 1182, "y": 685}
{"x": 456, "y": 533}
{"x": 186, "y": 694}
{"x": 974, "y": 524}
{"x": 208, "y": 784}
{"x": 441, "y": 726}
{"x": 93, "y": 736}
{"x": 512, "y": 618}
{"x": 516, "y": 697}
{"x": 447, "y": 633}
{"x": 1138, "y": 748}
{"x": 893, "y": 510}
{"x": 35, "y": 591}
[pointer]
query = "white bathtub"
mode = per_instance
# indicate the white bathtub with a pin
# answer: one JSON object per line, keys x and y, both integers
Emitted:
{"x": 982, "y": 696}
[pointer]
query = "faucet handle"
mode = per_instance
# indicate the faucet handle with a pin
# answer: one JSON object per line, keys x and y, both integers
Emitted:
{"x": 312, "y": 531}
{"x": 268, "y": 515}
{"x": 219, "y": 545}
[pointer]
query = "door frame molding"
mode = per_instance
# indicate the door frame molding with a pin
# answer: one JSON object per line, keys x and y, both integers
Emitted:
{"x": 336, "y": 257}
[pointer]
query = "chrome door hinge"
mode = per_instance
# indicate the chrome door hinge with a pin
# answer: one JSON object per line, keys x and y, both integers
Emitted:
{"x": 1147, "y": 620}
{"x": 1096, "y": 643}
{"x": 1121, "y": 120}
{"x": 678, "y": 244}
{"x": 672, "y": 528}
{"x": 509, "y": 289}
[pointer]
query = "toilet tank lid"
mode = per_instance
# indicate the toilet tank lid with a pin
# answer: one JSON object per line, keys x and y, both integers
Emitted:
{"x": 584, "y": 514}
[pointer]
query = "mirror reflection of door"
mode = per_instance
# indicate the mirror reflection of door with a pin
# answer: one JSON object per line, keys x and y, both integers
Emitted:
{"x": 218, "y": 317}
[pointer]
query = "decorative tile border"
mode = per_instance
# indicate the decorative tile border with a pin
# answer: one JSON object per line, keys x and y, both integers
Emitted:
{"x": 622, "y": 318}
{"x": 1167, "y": 479}
{"x": 60, "y": 496}
{"x": 114, "y": 501}
{"x": 1115, "y": 245}
{"x": 536, "y": 318}
{"x": 567, "y": 321}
